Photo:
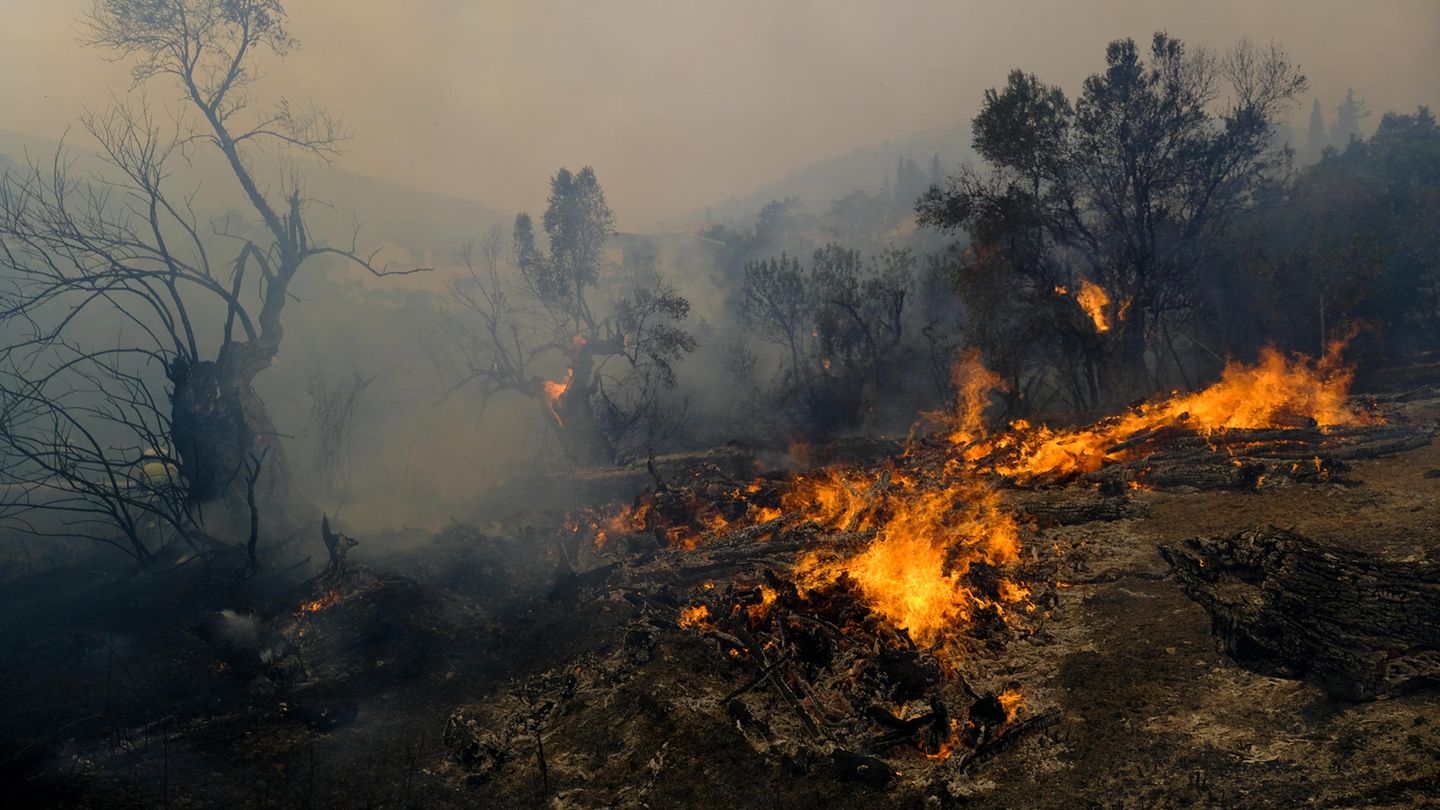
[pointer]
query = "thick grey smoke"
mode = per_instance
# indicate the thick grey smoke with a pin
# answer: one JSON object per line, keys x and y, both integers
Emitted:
{"x": 679, "y": 105}
{"x": 692, "y": 114}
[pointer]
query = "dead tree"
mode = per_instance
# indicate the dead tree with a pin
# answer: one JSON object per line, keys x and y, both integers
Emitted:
{"x": 126, "y": 249}
{"x": 82, "y": 452}
{"x": 337, "y": 546}
{"x": 1282, "y": 604}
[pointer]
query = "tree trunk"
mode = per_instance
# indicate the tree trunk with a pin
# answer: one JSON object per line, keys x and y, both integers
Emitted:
{"x": 572, "y": 414}
{"x": 1281, "y": 604}
{"x": 581, "y": 438}
{"x": 219, "y": 425}
{"x": 1129, "y": 372}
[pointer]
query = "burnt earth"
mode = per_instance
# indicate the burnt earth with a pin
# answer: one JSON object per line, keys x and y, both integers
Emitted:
{"x": 445, "y": 676}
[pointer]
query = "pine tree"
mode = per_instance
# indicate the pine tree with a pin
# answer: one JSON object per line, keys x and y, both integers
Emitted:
{"x": 1347, "y": 120}
{"x": 1315, "y": 138}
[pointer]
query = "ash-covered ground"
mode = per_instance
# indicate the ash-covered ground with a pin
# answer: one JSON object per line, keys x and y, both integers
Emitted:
{"x": 528, "y": 663}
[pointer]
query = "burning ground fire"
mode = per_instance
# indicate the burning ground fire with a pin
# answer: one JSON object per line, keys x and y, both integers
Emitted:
{"x": 1275, "y": 392}
{"x": 927, "y": 523}
{"x": 923, "y": 545}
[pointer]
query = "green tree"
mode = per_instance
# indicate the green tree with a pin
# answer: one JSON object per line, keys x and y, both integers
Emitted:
{"x": 555, "y": 307}
{"x": 843, "y": 324}
{"x": 1349, "y": 242}
{"x": 1315, "y": 134}
{"x": 1348, "y": 116}
{"x": 1130, "y": 186}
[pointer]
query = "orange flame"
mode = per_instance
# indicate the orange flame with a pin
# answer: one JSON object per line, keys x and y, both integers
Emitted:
{"x": 1094, "y": 300}
{"x": 1011, "y": 700}
{"x": 1275, "y": 392}
{"x": 911, "y": 574}
{"x": 695, "y": 616}
{"x": 552, "y": 391}
{"x": 973, "y": 384}
{"x": 925, "y": 528}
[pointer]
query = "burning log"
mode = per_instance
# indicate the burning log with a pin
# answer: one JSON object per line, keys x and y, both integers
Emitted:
{"x": 1009, "y": 739}
{"x": 1281, "y": 604}
{"x": 1251, "y": 459}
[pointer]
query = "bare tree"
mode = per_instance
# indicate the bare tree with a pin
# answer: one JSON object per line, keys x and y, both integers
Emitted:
{"x": 82, "y": 452}
{"x": 202, "y": 299}
{"x": 334, "y": 405}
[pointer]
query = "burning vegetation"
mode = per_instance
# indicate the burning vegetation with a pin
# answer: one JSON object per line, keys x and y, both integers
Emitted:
{"x": 871, "y": 597}
{"x": 1096, "y": 302}
{"x": 927, "y": 505}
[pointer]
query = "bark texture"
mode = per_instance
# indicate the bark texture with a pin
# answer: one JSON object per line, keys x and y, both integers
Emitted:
{"x": 1281, "y": 604}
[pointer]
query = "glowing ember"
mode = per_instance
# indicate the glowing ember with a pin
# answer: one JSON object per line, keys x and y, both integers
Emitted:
{"x": 323, "y": 602}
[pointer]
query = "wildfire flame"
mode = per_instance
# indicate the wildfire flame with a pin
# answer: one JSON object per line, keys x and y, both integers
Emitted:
{"x": 1011, "y": 700}
{"x": 912, "y": 573}
{"x": 973, "y": 384}
{"x": 552, "y": 391}
{"x": 694, "y": 616}
{"x": 1094, "y": 300}
{"x": 928, "y": 522}
{"x": 1275, "y": 392}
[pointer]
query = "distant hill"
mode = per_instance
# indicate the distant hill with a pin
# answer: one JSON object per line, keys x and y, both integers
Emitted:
{"x": 869, "y": 167}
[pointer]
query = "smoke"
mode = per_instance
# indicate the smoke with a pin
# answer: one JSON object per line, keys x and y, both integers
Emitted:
{"x": 683, "y": 110}
{"x": 682, "y": 105}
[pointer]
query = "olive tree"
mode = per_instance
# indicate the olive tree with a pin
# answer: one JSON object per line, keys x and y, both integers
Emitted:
{"x": 199, "y": 300}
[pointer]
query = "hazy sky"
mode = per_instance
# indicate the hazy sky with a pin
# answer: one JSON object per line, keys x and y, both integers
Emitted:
{"x": 679, "y": 103}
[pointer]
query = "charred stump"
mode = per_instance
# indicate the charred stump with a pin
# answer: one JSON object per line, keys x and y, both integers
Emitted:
{"x": 1281, "y": 604}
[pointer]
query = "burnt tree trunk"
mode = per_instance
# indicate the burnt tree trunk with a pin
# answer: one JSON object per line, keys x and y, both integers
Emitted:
{"x": 219, "y": 424}
{"x": 1283, "y": 605}
{"x": 572, "y": 413}
{"x": 1126, "y": 364}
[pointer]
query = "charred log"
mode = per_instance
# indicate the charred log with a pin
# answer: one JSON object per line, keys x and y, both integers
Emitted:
{"x": 1069, "y": 508}
{"x": 1281, "y": 604}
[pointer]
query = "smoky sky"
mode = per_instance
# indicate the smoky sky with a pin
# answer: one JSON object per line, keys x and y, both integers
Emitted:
{"x": 679, "y": 104}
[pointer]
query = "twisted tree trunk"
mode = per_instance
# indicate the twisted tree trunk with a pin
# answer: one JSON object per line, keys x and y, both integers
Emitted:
{"x": 219, "y": 425}
{"x": 572, "y": 412}
{"x": 1282, "y": 604}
